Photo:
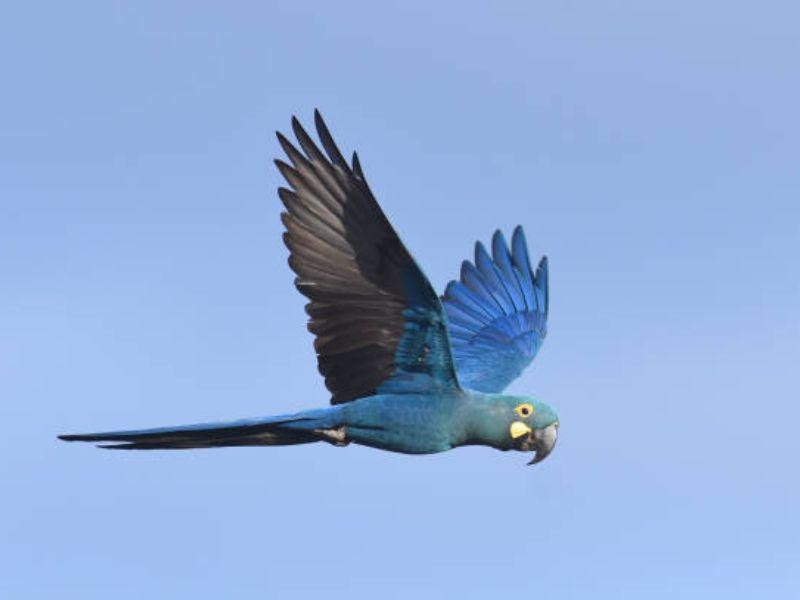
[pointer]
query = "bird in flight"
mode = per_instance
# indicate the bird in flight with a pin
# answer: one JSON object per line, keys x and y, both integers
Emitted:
{"x": 408, "y": 371}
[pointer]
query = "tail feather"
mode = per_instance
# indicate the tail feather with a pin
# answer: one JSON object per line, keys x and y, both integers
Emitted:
{"x": 270, "y": 431}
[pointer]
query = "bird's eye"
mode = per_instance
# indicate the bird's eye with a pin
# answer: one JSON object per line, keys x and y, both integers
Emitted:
{"x": 524, "y": 410}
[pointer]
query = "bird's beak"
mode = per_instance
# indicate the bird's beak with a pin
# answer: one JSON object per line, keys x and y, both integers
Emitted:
{"x": 543, "y": 442}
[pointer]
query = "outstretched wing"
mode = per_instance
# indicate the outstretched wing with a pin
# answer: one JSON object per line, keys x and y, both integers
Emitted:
{"x": 379, "y": 325}
{"x": 497, "y": 314}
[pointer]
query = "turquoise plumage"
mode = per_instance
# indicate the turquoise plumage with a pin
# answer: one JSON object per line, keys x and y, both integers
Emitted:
{"x": 407, "y": 371}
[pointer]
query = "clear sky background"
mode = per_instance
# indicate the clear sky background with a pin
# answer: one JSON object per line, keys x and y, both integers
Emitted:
{"x": 649, "y": 148}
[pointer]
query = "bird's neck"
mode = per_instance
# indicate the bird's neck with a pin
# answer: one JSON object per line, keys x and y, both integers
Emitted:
{"x": 485, "y": 421}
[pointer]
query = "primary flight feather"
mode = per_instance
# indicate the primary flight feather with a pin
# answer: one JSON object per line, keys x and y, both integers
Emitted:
{"x": 407, "y": 371}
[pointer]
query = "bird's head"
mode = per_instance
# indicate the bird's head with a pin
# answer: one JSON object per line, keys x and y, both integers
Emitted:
{"x": 532, "y": 426}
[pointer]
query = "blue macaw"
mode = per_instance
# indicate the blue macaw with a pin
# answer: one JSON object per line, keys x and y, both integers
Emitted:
{"x": 407, "y": 371}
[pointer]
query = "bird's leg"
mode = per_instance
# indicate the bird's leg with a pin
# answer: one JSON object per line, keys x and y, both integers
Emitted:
{"x": 336, "y": 436}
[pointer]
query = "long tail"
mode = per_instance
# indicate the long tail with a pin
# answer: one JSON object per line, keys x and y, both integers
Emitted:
{"x": 303, "y": 428}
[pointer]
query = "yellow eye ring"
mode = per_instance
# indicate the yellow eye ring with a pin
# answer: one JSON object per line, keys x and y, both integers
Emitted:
{"x": 524, "y": 410}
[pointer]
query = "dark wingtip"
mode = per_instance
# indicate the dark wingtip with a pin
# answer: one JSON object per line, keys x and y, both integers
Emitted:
{"x": 286, "y": 170}
{"x": 332, "y": 150}
{"x": 299, "y": 131}
{"x": 357, "y": 166}
{"x": 319, "y": 122}
{"x": 285, "y": 144}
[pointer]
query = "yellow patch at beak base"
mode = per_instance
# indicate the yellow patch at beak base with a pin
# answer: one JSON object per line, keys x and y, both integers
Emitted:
{"x": 518, "y": 429}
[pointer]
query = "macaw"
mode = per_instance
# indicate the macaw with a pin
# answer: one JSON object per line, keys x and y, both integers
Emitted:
{"x": 407, "y": 371}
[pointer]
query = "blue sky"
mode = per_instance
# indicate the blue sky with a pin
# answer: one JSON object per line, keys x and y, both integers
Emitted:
{"x": 650, "y": 149}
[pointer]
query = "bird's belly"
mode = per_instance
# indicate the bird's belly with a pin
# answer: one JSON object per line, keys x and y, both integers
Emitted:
{"x": 398, "y": 440}
{"x": 408, "y": 424}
